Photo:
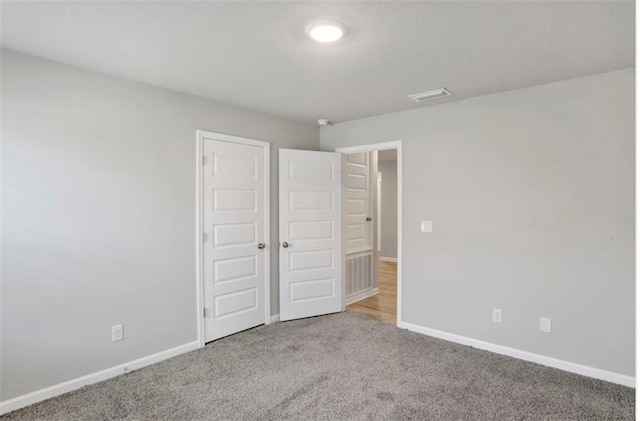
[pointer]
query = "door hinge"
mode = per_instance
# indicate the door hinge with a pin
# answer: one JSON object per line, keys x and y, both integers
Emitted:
{"x": 204, "y": 160}
{"x": 204, "y": 312}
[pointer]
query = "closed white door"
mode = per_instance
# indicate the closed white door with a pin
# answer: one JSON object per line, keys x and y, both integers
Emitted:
{"x": 310, "y": 233}
{"x": 234, "y": 244}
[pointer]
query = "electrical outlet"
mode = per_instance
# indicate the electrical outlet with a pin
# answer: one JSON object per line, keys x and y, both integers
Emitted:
{"x": 545, "y": 324}
{"x": 426, "y": 226}
{"x": 497, "y": 315}
{"x": 117, "y": 333}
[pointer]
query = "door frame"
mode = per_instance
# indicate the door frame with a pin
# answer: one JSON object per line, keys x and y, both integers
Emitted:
{"x": 397, "y": 145}
{"x": 200, "y": 136}
{"x": 379, "y": 209}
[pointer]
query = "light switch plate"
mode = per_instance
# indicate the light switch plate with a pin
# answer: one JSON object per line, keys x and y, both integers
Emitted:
{"x": 426, "y": 226}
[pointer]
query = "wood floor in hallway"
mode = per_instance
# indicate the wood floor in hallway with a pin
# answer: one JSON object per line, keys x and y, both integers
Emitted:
{"x": 382, "y": 306}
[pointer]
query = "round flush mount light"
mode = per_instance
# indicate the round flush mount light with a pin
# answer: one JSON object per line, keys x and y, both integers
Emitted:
{"x": 326, "y": 31}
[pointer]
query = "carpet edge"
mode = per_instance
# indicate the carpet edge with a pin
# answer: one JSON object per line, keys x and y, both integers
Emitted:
{"x": 92, "y": 378}
{"x": 563, "y": 365}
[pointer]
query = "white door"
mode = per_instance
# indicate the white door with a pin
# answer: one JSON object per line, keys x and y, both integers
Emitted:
{"x": 360, "y": 196}
{"x": 310, "y": 233}
{"x": 233, "y": 225}
{"x": 359, "y": 226}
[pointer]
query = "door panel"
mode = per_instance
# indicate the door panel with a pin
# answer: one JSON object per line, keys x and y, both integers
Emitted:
{"x": 233, "y": 226}
{"x": 310, "y": 227}
{"x": 359, "y": 233}
{"x": 360, "y": 196}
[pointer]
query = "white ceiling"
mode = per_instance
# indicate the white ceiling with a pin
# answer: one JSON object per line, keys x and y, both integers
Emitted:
{"x": 256, "y": 54}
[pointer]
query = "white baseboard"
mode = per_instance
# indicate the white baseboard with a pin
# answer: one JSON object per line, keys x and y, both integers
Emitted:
{"x": 275, "y": 318}
{"x": 527, "y": 356}
{"x": 68, "y": 386}
{"x": 361, "y": 295}
{"x": 388, "y": 259}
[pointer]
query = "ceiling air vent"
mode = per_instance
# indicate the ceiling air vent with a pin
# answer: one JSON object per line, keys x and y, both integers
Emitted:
{"x": 433, "y": 94}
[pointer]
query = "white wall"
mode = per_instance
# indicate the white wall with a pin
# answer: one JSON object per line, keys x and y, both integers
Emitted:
{"x": 98, "y": 216}
{"x": 389, "y": 211}
{"x": 531, "y": 194}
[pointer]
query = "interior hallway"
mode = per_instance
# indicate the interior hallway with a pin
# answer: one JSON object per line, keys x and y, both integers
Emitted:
{"x": 381, "y": 306}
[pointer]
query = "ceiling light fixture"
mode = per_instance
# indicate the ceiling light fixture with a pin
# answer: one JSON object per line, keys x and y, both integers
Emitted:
{"x": 326, "y": 30}
{"x": 436, "y": 93}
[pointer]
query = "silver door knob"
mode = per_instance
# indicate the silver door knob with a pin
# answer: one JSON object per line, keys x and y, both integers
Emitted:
{"x": 285, "y": 244}
{"x": 261, "y": 246}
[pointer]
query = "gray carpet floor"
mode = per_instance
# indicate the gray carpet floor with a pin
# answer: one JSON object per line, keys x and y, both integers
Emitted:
{"x": 340, "y": 367}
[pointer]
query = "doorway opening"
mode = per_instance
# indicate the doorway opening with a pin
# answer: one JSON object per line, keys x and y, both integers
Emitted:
{"x": 373, "y": 231}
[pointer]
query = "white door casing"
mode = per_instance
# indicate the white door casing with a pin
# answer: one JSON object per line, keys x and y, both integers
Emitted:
{"x": 397, "y": 145}
{"x": 310, "y": 233}
{"x": 379, "y": 212}
{"x": 234, "y": 230}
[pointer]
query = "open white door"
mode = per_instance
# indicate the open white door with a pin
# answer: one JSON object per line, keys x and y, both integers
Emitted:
{"x": 360, "y": 195}
{"x": 310, "y": 233}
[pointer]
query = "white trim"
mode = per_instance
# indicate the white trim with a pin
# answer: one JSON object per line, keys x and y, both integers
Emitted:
{"x": 343, "y": 275}
{"x": 68, "y": 386}
{"x": 267, "y": 232}
{"x": 583, "y": 370}
{"x": 372, "y": 147}
{"x": 275, "y": 318}
{"x": 397, "y": 144}
{"x": 361, "y": 295}
{"x": 199, "y": 268}
{"x": 379, "y": 209}
{"x": 200, "y": 135}
{"x": 387, "y": 259}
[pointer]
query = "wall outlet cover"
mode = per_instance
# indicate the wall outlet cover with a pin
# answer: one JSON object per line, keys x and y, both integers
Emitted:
{"x": 117, "y": 333}
{"x": 497, "y": 315}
